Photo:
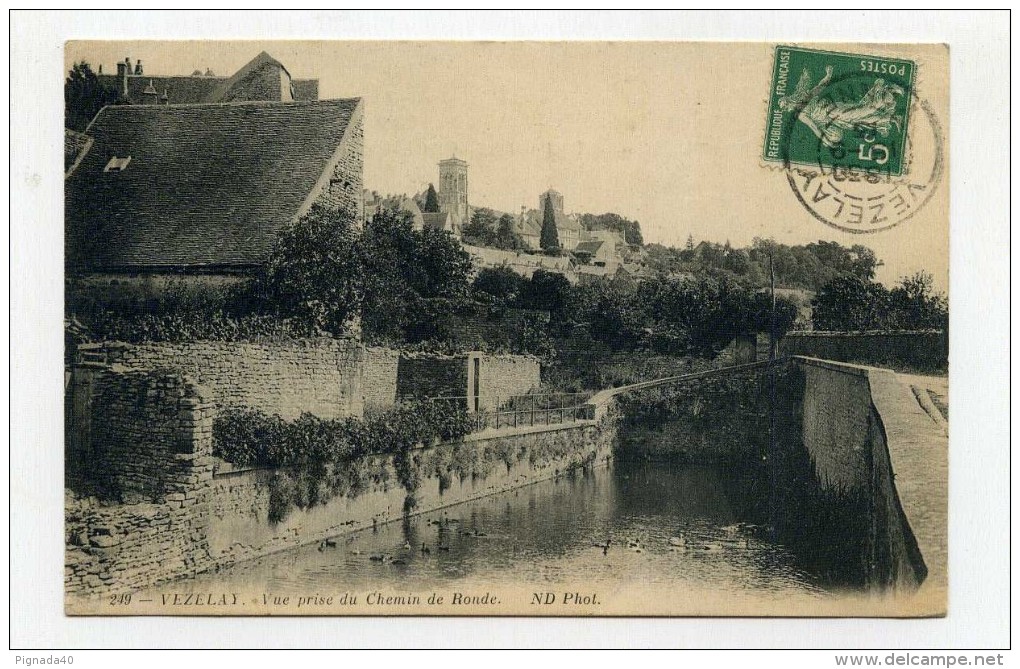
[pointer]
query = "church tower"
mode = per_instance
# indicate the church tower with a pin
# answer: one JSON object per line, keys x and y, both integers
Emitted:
{"x": 453, "y": 192}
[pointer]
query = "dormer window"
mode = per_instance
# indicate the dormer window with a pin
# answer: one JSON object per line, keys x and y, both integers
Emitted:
{"x": 117, "y": 164}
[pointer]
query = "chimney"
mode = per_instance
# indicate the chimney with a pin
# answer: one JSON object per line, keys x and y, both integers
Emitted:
{"x": 151, "y": 94}
{"x": 138, "y": 67}
{"x": 123, "y": 70}
{"x": 100, "y": 69}
{"x": 166, "y": 96}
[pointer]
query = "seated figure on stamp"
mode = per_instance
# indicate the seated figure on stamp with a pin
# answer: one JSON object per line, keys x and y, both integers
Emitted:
{"x": 828, "y": 119}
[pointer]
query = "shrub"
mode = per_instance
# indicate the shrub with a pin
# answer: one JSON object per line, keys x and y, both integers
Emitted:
{"x": 250, "y": 438}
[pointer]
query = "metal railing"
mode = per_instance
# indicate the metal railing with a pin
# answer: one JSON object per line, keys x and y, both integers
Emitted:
{"x": 496, "y": 412}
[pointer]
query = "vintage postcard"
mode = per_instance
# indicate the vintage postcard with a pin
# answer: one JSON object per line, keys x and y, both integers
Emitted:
{"x": 506, "y": 328}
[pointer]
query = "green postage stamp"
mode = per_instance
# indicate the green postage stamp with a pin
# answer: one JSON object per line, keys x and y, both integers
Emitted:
{"x": 839, "y": 111}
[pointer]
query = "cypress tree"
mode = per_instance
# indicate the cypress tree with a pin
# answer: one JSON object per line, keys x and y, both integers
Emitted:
{"x": 549, "y": 239}
{"x": 431, "y": 201}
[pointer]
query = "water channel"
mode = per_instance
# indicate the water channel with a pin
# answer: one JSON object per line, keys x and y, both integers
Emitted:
{"x": 669, "y": 526}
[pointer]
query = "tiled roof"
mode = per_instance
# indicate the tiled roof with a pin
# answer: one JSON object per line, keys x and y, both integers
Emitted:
{"x": 590, "y": 247}
{"x": 198, "y": 89}
{"x": 437, "y": 220}
{"x": 75, "y": 146}
{"x": 206, "y": 185}
{"x": 180, "y": 89}
{"x": 534, "y": 217}
{"x": 306, "y": 89}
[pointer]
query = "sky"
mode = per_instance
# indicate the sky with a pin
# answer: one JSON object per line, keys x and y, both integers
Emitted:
{"x": 668, "y": 134}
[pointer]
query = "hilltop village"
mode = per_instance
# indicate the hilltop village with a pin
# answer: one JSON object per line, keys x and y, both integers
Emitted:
{"x": 254, "y": 338}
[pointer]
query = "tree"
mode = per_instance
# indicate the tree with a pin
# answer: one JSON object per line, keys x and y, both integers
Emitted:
{"x": 617, "y": 317}
{"x": 629, "y": 230}
{"x": 548, "y": 291}
{"x": 915, "y": 305}
{"x": 499, "y": 285}
{"x": 314, "y": 274}
{"x": 413, "y": 279}
{"x": 506, "y": 235}
{"x": 84, "y": 96}
{"x": 849, "y": 303}
{"x": 549, "y": 239}
{"x": 481, "y": 229}
{"x": 431, "y": 201}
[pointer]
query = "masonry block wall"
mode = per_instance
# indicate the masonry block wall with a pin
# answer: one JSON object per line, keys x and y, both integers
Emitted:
{"x": 379, "y": 378}
{"x": 147, "y": 429}
{"x": 238, "y": 515}
{"x": 345, "y": 189}
{"x": 503, "y": 376}
{"x": 144, "y": 517}
{"x": 432, "y": 376}
{"x": 318, "y": 376}
{"x": 846, "y": 437}
{"x": 836, "y": 415}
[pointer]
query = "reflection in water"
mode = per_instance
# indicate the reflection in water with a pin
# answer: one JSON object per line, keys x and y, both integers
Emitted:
{"x": 656, "y": 523}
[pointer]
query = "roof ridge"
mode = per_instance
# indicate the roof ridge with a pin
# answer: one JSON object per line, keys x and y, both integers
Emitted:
{"x": 248, "y": 103}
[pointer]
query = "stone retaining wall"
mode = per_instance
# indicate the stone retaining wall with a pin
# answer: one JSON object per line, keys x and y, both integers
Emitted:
{"x": 163, "y": 513}
{"x": 319, "y": 376}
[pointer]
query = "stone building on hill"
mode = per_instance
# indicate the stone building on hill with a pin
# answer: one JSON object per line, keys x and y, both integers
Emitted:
{"x": 529, "y": 223}
{"x": 263, "y": 78}
{"x": 203, "y": 190}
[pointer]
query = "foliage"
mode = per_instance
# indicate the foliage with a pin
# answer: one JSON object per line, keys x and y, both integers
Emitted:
{"x": 629, "y": 230}
{"x": 488, "y": 229}
{"x": 915, "y": 305}
{"x": 849, "y": 303}
{"x": 318, "y": 458}
{"x": 431, "y": 201}
{"x": 314, "y": 274}
{"x": 507, "y": 237}
{"x": 673, "y": 315}
{"x": 84, "y": 96}
{"x": 412, "y": 279}
{"x": 500, "y": 285}
{"x": 809, "y": 266}
{"x": 549, "y": 239}
{"x": 249, "y": 438}
{"x": 174, "y": 311}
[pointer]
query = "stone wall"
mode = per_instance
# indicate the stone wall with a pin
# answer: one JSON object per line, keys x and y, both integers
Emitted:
{"x": 836, "y": 415}
{"x": 921, "y": 350}
{"x": 219, "y": 520}
{"x": 318, "y": 376}
{"x": 845, "y": 438}
{"x": 379, "y": 377}
{"x": 239, "y": 527}
{"x": 501, "y": 377}
{"x": 344, "y": 191}
{"x": 145, "y": 428}
{"x": 143, "y": 518}
{"x": 807, "y": 434}
{"x": 432, "y": 376}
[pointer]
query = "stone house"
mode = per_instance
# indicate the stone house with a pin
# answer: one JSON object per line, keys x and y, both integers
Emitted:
{"x": 203, "y": 190}
{"x": 568, "y": 228}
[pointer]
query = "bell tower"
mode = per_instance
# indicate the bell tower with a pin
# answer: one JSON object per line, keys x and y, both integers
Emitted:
{"x": 453, "y": 192}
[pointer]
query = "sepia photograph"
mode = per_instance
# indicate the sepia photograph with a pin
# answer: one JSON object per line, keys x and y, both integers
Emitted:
{"x": 506, "y": 328}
